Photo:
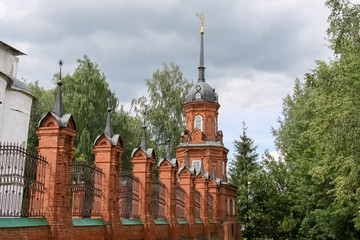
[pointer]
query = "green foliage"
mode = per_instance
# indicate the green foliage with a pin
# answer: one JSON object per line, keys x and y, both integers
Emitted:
{"x": 244, "y": 163}
{"x": 164, "y": 108}
{"x": 242, "y": 173}
{"x": 344, "y": 26}
{"x": 85, "y": 95}
{"x": 313, "y": 193}
{"x": 319, "y": 136}
{"x": 130, "y": 129}
{"x": 263, "y": 192}
{"x": 43, "y": 103}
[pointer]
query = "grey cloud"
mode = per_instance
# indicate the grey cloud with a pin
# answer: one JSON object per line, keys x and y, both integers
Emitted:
{"x": 131, "y": 39}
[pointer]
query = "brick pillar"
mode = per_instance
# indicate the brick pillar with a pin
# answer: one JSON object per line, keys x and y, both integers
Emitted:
{"x": 143, "y": 168}
{"x": 222, "y": 208}
{"x": 213, "y": 190}
{"x": 187, "y": 182}
{"x": 56, "y": 141}
{"x": 201, "y": 185}
{"x": 167, "y": 175}
{"x": 108, "y": 158}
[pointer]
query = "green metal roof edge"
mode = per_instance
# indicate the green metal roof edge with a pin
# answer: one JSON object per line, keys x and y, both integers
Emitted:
{"x": 22, "y": 222}
{"x": 182, "y": 221}
{"x": 131, "y": 221}
{"x": 211, "y": 221}
{"x": 83, "y": 222}
{"x": 199, "y": 221}
{"x": 161, "y": 222}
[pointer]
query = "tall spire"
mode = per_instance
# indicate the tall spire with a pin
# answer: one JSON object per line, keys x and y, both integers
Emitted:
{"x": 58, "y": 108}
{"x": 143, "y": 143}
{"x": 201, "y": 67}
{"x": 108, "y": 127}
{"x": 168, "y": 152}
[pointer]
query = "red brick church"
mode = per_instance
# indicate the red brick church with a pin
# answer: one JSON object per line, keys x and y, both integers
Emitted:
{"x": 64, "y": 199}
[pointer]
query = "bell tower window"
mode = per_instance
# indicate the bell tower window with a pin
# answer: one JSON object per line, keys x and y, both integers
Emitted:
{"x": 198, "y": 122}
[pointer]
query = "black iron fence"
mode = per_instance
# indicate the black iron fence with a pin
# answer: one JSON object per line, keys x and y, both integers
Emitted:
{"x": 180, "y": 202}
{"x": 86, "y": 190}
{"x": 22, "y": 182}
{"x": 129, "y": 201}
{"x": 197, "y": 204}
{"x": 158, "y": 198}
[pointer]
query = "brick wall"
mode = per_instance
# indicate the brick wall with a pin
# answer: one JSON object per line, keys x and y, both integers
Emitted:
{"x": 28, "y": 233}
{"x": 56, "y": 143}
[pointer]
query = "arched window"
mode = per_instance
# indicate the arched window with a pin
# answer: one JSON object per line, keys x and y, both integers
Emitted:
{"x": 198, "y": 122}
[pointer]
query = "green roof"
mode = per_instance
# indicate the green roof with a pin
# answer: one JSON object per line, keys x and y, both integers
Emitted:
{"x": 199, "y": 221}
{"x": 161, "y": 221}
{"x": 182, "y": 221}
{"x": 83, "y": 222}
{"x": 22, "y": 222}
{"x": 129, "y": 221}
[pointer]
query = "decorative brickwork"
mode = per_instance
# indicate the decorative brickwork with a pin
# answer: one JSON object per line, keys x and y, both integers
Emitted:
{"x": 143, "y": 168}
{"x": 168, "y": 176}
{"x": 108, "y": 158}
{"x": 56, "y": 144}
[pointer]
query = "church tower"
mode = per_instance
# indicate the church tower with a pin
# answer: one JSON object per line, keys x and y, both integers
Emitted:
{"x": 202, "y": 140}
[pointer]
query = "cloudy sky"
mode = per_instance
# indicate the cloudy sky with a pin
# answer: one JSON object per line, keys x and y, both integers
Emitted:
{"x": 254, "y": 50}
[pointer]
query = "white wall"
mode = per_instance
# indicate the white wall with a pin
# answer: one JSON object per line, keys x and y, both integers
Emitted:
{"x": 6, "y": 61}
{"x": 16, "y": 117}
{"x": 3, "y": 84}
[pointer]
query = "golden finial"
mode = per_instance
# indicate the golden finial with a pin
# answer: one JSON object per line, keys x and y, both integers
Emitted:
{"x": 201, "y": 17}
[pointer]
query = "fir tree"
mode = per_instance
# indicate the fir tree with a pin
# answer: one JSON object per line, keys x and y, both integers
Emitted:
{"x": 242, "y": 171}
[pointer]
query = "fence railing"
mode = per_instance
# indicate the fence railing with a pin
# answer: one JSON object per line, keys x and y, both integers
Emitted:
{"x": 180, "y": 202}
{"x": 22, "y": 182}
{"x": 159, "y": 190}
{"x": 210, "y": 206}
{"x": 197, "y": 204}
{"x": 129, "y": 195}
{"x": 86, "y": 190}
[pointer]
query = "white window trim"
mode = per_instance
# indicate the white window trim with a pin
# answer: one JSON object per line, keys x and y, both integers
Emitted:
{"x": 201, "y": 122}
{"x": 196, "y": 164}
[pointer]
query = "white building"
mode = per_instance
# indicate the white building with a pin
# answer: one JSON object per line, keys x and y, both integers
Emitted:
{"x": 15, "y": 108}
{"x": 15, "y": 99}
